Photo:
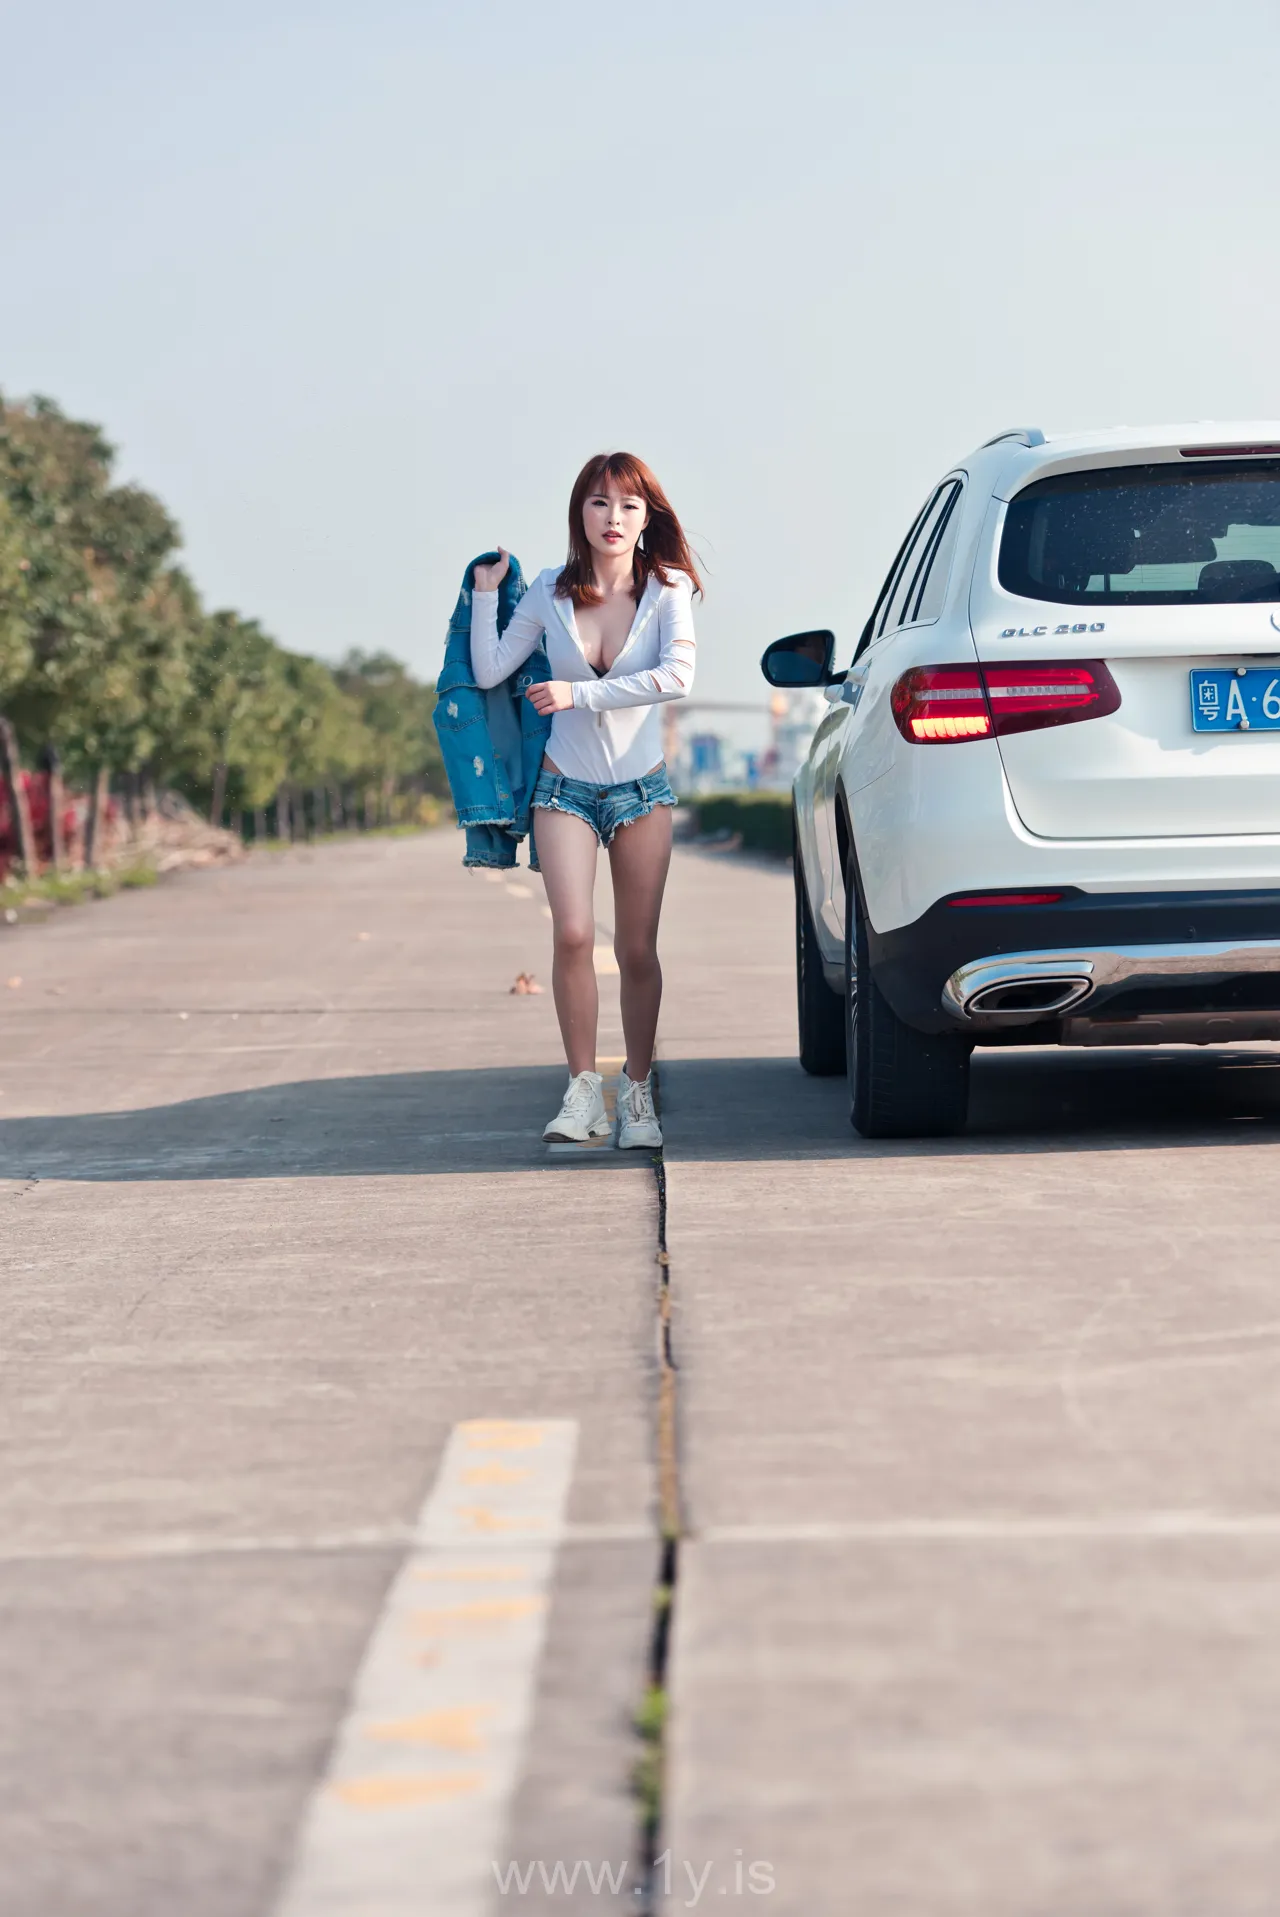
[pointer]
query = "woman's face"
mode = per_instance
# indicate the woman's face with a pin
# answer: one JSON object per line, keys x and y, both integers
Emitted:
{"x": 613, "y": 520}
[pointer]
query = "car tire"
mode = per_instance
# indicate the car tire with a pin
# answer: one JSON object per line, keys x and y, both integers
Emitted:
{"x": 820, "y": 1011}
{"x": 902, "y": 1083}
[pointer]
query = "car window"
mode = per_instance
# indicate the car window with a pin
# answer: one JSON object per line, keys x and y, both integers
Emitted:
{"x": 1160, "y": 535}
{"x": 924, "y": 602}
{"x": 914, "y": 564}
{"x": 875, "y": 625}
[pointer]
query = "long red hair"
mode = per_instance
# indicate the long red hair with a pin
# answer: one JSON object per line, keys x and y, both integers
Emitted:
{"x": 663, "y": 548}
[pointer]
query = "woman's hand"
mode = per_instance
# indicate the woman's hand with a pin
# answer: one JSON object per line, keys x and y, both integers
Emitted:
{"x": 489, "y": 578}
{"x": 553, "y": 695}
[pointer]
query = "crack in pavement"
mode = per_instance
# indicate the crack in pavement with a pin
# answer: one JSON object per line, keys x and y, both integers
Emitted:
{"x": 651, "y": 1721}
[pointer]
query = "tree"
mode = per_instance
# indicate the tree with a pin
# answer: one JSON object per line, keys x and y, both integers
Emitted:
{"x": 15, "y": 663}
{"x": 109, "y": 662}
{"x": 101, "y": 628}
{"x": 396, "y": 710}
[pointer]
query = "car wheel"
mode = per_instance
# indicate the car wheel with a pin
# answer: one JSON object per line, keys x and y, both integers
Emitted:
{"x": 902, "y": 1083}
{"x": 820, "y": 1010}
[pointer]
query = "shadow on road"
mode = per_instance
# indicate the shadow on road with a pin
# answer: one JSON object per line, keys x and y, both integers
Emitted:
{"x": 757, "y": 1108}
{"x": 419, "y": 1123}
{"x": 407, "y": 1123}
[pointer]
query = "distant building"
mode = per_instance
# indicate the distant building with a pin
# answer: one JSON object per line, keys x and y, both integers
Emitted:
{"x": 796, "y": 716}
{"x": 706, "y": 760}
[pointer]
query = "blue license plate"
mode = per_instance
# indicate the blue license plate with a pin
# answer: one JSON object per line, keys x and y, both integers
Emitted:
{"x": 1226, "y": 700}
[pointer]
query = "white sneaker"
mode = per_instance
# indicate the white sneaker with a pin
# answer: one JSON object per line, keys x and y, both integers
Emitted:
{"x": 582, "y": 1116}
{"x": 638, "y": 1127}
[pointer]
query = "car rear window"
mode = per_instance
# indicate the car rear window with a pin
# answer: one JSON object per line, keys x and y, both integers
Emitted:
{"x": 1147, "y": 536}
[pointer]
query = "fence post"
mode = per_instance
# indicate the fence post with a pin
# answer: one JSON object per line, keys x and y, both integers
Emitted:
{"x": 16, "y": 792}
{"x": 57, "y": 802}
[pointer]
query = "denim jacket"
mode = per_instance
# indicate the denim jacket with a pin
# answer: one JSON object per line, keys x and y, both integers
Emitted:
{"x": 492, "y": 742}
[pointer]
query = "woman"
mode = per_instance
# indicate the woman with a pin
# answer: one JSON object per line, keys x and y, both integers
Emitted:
{"x": 617, "y": 620}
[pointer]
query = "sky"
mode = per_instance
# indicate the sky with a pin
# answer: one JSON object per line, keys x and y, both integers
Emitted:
{"x": 356, "y": 289}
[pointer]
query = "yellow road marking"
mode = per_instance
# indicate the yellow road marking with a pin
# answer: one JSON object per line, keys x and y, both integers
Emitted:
{"x": 386, "y": 1793}
{"x": 500, "y": 1434}
{"x": 421, "y": 1775}
{"x": 480, "y": 1518}
{"x": 452, "y": 1730}
{"x": 479, "y": 1611}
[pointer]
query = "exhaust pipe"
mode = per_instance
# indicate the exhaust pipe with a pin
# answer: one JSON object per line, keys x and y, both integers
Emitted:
{"x": 1018, "y": 989}
{"x": 1033, "y": 996}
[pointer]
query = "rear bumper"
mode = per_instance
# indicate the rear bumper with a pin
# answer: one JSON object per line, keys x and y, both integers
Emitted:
{"x": 1000, "y": 972}
{"x": 990, "y": 995}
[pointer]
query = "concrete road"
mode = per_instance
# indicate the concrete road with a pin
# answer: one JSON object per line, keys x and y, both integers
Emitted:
{"x": 274, "y": 1216}
{"x": 980, "y": 1447}
{"x": 977, "y": 1590}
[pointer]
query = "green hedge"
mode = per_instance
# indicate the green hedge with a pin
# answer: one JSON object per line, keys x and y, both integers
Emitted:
{"x": 763, "y": 818}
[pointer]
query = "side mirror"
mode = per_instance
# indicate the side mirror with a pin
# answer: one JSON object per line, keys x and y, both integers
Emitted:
{"x": 802, "y": 659}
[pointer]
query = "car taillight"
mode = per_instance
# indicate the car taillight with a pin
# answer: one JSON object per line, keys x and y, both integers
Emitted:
{"x": 1007, "y": 898}
{"x": 1049, "y": 693}
{"x": 938, "y": 705}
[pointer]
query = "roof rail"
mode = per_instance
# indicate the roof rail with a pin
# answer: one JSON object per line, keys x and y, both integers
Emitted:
{"x": 1029, "y": 436}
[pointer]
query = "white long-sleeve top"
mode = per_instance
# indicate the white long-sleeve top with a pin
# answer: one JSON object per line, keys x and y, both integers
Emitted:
{"x": 613, "y": 733}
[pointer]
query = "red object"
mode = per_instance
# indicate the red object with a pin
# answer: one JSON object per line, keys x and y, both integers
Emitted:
{"x": 945, "y": 705}
{"x": 1008, "y": 898}
{"x": 1026, "y": 696}
{"x": 36, "y": 786}
{"x": 1226, "y": 452}
{"x": 941, "y": 705}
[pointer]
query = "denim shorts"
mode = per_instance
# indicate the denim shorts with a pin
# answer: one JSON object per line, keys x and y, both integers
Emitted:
{"x": 603, "y": 807}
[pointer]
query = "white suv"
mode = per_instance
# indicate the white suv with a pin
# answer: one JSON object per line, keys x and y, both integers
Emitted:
{"x": 1045, "y": 805}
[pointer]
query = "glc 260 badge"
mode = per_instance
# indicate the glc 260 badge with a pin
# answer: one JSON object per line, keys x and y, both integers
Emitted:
{"x": 1042, "y": 632}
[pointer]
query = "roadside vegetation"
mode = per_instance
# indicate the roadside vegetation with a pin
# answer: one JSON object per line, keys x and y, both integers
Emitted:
{"x": 758, "y": 821}
{"x": 23, "y": 898}
{"x": 116, "y": 683}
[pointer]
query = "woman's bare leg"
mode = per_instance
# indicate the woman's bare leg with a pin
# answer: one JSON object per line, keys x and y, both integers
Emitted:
{"x": 567, "y": 849}
{"x": 639, "y": 858}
